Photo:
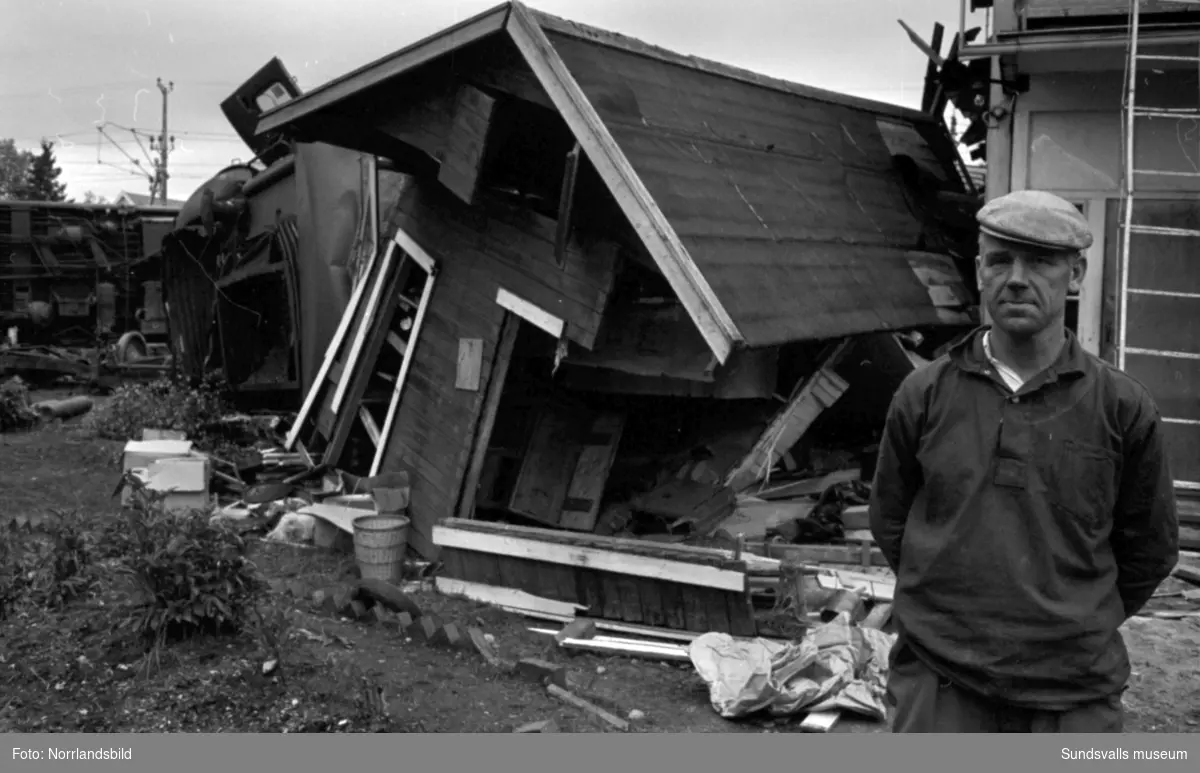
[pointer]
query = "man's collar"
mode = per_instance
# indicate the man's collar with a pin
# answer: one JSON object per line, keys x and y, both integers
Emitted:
{"x": 969, "y": 355}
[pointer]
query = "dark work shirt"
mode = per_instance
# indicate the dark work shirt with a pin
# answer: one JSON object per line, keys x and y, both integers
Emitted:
{"x": 1024, "y": 528}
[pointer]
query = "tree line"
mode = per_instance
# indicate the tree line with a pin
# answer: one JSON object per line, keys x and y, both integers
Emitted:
{"x": 27, "y": 175}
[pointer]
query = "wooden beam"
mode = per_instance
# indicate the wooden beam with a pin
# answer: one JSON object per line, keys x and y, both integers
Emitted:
{"x": 369, "y": 424}
{"x": 469, "y": 31}
{"x": 566, "y": 204}
{"x": 491, "y": 409}
{"x": 504, "y": 597}
{"x": 819, "y": 391}
{"x": 535, "y": 315}
{"x": 627, "y": 188}
{"x": 823, "y": 554}
{"x": 592, "y": 558}
{"x": 397, "y": 343}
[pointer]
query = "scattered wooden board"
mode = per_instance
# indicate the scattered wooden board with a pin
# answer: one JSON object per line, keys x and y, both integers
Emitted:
{"x": 504, "y": 597}
{"x": 651, "y": 561}
{"x": 587, "y": 706}
{"x": 1187, "y": 572}
{"x": 606, "y": 645}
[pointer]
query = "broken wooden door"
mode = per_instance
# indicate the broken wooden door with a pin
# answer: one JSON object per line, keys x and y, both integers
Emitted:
{"x": 566, "y": 465}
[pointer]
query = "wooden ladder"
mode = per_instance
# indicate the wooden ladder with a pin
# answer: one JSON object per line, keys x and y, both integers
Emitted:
{"x": 368, "y": 357}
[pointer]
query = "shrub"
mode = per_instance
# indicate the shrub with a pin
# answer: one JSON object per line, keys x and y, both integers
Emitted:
{"x": 49, "y": 564}
{"x": 15, "y": 412}
{"x": 192, "y": 576}
{"x": 167, "y": 403}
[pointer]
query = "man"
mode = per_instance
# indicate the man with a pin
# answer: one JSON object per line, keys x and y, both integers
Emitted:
{"x": 1022, "y": 498}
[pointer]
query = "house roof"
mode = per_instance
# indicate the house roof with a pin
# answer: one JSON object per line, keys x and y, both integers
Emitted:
{"x": 142, "y": 200}
{"x": 773, "y": 209}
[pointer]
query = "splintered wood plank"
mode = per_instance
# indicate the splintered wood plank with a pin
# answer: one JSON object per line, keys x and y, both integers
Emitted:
{"x": 695, "y": 570}
{"x": 546, "y": 471}
{"x": 671, "y": 596}
{"x": 467, "y": 142}
{"x": 582, "y": 503}
{"x": 819, "y": 391}
{"x": 695, "y": 610}
{"x": 716, "y": 607}
{"x": 611, "y": 592}
{"x": 702, "y": 556}
{"x": 741, "y": 615}
{"x": 516, "y": 573}
{"x": 556, "y": 581}
{"x": 591, "y": 592}
{"x": 484, "y": 568}
{"x": 453, "y": 564}
{"x": 631, "y": 599}
{"x": 651, "y": 595}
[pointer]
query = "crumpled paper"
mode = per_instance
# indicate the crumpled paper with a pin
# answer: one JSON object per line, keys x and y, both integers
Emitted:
{"x": 835, "y": 667}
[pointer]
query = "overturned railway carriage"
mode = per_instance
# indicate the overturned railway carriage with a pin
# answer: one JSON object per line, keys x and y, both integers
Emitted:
{"x": 72, "y": 272}
{"x": 261, "y": 258}
{"x": 603, "y": 263}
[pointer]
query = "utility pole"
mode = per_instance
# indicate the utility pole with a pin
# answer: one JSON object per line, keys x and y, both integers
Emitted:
{"x": 165, "y": 145}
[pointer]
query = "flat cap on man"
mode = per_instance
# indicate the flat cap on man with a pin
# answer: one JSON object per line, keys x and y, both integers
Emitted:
{"x": 1036, "y": 218}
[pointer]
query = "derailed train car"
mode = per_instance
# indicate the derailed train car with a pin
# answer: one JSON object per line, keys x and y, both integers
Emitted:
{"x": 260, "y": 262}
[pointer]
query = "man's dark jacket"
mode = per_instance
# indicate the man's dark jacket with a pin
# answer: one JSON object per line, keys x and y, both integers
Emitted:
{"x": 1023, "y": 528}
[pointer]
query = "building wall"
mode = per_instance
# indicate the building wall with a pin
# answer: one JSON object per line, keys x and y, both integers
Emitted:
{"x": 1065, "y": 136}
{"x": 477, "y": 253}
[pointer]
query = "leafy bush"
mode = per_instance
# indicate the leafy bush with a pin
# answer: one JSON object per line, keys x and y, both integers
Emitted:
{"x": 167, "y": 403}
{"x": 192, "y": 575}
{"x": 49, "y": 564}
{"x": 15, "y": 412}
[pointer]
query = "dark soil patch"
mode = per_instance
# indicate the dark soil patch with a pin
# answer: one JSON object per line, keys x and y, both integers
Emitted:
{"x": 68, "y": 671}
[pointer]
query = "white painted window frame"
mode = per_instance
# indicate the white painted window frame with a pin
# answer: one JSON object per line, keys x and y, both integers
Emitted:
{"x": 414, "y": 252}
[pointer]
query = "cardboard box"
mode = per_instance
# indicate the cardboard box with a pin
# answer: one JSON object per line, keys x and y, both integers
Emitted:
{"x": 140, "y": 453}
{"x": 184, "y": 478}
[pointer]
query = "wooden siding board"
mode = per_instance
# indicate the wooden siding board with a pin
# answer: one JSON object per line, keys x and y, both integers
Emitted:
{"x": 789, "y": 205}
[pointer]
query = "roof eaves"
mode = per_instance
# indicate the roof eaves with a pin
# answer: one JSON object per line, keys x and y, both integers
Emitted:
{"x": 635, "y": 201}
{"x": 464, "y": 33}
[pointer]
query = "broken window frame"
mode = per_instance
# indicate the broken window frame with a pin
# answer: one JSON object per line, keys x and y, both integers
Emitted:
{"x": 412, "y": 255}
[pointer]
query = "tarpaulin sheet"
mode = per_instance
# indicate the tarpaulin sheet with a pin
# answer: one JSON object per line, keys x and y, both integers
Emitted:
{"x": 332, "y": 201}
{"x": 835, "y": 667}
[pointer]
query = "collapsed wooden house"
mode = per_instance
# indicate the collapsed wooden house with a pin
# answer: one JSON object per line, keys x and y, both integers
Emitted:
{"x": 602, "y": 255}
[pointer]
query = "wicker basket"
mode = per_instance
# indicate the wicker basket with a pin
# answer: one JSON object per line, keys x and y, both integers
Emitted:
{"x": 379, "y": 545}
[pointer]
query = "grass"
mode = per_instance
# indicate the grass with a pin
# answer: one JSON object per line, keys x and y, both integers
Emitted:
{"x": 67, "y": 668}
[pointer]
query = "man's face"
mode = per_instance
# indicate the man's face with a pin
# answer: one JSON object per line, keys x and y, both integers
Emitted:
{"x": 1024, "y": 287}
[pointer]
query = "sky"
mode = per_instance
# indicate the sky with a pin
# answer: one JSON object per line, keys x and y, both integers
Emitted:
{"x": 68, "y": 67}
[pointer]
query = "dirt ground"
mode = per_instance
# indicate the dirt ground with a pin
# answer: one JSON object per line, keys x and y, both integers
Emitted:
{"x": 68, "y": 672}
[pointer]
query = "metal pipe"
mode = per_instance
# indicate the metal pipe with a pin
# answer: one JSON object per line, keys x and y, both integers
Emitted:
{"x": 962, "y": 24}
{"x": 1127, "y": 209}
{"x": 1049, "y": 44}
{"x": 63, "y": 409}
{"x": 269, "y": 176}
